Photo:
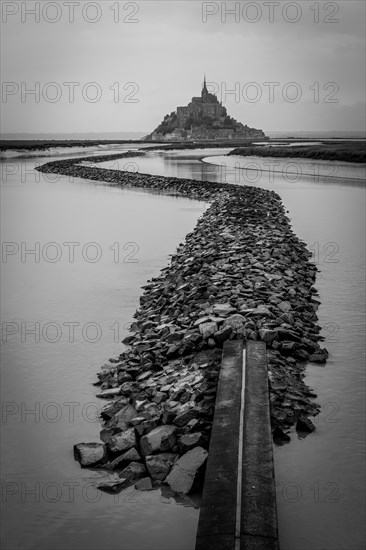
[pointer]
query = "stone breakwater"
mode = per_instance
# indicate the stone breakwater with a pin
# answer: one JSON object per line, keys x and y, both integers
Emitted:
{"x": 240, "y": 274}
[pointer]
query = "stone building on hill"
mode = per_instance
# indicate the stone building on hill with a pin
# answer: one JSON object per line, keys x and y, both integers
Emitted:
{"x": 204, "y": 118}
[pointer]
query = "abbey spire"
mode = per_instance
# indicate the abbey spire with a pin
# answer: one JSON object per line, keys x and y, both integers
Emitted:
{"x": 204, "y": 92}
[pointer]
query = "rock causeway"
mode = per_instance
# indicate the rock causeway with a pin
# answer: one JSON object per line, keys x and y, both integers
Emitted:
{"x": 241, "y": 274}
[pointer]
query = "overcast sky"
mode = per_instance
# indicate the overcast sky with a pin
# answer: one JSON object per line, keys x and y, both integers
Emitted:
{"x": 145, "y": 58}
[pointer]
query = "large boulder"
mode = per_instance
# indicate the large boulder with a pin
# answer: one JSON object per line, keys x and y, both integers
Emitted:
{"x": 186, "y": 416}
{"x": 120, "y": 443}
{"x": 222, "y": 335}
{"x": 267, "y": 335}
{"x": 144, "y": 484}
{"x": 134, "y": 471}
{"x": 113, "y": 483}
{"x": 208, "y": 329}
{"x": 120, "y": 462}
{"x": 182, "y": 475}
{"x": 160, "y": 439}
{"x": 125, "y": 414}
{"x": 235, "y": 321}
{"x": 188, "y": 441}
{"x": 160, "y": 465}
{"x": 111, "y": 409}
{"x": 145, "y": 427}
{"x": 89, "y": 454}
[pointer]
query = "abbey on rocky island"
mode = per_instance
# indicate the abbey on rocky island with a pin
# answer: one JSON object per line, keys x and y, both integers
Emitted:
{"x": 204, "y": 118}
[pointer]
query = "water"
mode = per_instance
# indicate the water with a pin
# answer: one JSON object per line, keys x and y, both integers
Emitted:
{"x": 43, "y": 488}
{"x": 320, "y": 479}
{"x": 19, "y": 153}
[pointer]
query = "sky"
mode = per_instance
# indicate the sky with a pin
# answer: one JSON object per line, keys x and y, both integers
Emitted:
{"x": 113, "y": 66}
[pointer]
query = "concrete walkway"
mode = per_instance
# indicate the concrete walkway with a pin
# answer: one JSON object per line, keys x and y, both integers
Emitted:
{"x": 239, "y": 500}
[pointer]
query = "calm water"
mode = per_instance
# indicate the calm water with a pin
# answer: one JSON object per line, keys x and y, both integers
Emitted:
{"x": 43, "y": 489}
{"x": 320, "y": 479}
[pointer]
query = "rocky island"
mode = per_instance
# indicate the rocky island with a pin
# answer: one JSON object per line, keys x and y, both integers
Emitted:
{"x": 203, "y": 119}
{"x": 240, "y": 274}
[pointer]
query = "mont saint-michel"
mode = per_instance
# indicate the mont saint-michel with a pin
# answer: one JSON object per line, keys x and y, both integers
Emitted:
{"x": 204, "y": 118}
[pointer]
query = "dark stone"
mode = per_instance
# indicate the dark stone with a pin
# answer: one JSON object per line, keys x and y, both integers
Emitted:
{"x": 184, "y": 418}
{"x": 279, "y": 436}
{"x": 222, "y": 335}
{"x": 160, "y": 439}
{"x": 120, "y": 462}
{"x": 160, "y": 465}
{"x": 145, "y": 427}
{"x": 144, "y": 484}
{"x": 188, "y": 441}
{"x": 304, "y": 424}
{"x": 133, "y": 471}
{"x": 182, "y": 475}
{"x": 113, "y": 484}
{"x": 319, "y": 357}
{"x": 89, "y": 454}
{"x": 122, "y": 442}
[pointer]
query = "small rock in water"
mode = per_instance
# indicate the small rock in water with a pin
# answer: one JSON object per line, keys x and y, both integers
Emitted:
{"x": 144, "y": 484}
{"x": 160, "y": 465}
{"x": 113, "y": 484}
{"x": 280, "y": 436}
{"x": 304, "y": 424}
{"x": 182, "y": 476}
{"x": 89, "y": 454}
{"x": 318, "y": 357}
{"x": 109, "y": 392}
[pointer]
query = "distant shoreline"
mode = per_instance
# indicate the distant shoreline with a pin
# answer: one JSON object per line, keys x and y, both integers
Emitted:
{"x": 344, "y": 151}
{"x": 338, "y": 150}
{"x": 44, "y": 144}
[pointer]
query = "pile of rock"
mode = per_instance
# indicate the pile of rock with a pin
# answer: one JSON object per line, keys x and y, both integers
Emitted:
{"x": 241, "y": 274}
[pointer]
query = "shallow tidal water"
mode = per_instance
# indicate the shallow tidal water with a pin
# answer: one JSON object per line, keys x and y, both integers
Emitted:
{"x": 61, "y": 320}
{"x": 320, "y": 479}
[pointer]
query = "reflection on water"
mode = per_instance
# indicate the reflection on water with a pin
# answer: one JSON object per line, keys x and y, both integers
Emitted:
{"x": 179, "y": 164}
{"x": 320, "y": 479}
{"x": 258, "y": 169}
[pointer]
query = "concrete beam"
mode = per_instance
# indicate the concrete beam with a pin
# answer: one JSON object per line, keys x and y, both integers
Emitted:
{"x": 259, "y": 511}
{"x": 216, "y": 526}
{"x": 239, "y": 500}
